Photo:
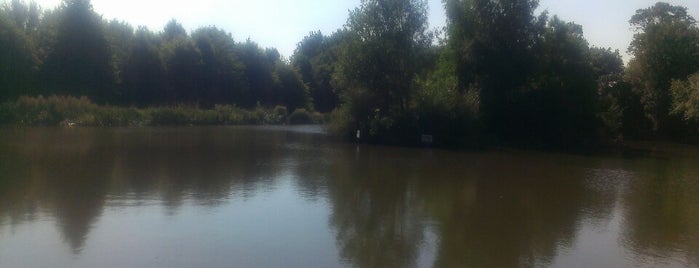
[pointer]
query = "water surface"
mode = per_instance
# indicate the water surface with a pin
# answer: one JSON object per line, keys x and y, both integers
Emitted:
{"x": 294, "y": 197}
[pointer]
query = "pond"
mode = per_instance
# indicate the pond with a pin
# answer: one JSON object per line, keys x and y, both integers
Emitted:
{"x": 295, "y": 197}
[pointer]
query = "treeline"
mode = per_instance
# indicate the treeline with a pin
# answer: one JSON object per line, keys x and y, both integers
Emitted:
{"x": 71, "y": 50}
{"x": 503, "y": 75}
{"x": 498, "y": 74}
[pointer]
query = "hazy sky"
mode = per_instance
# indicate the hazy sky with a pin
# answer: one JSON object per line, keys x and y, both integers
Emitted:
{"x": 283, "y": 23}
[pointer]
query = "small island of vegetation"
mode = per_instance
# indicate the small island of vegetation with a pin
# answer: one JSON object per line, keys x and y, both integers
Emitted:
{"x": 498, "y": 75}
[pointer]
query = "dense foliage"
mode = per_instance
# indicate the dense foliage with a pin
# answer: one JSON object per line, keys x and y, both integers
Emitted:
{"x": 72, "y": 111}
{"x": 665, "y": 48}
{"x": 685, "y": 96}
{"x": 499, "y": 75}
{"x": 71, "y": 50}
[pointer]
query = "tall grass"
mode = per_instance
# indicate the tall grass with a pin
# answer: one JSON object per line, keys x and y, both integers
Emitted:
{"x": 73, "y": 111}
{"x": 66, "y": 110}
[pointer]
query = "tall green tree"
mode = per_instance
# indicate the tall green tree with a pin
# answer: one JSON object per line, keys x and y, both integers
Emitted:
{"x": 18, "y": 61}
{"x": 493, "y": 43}
{"x": 534, "y": 76}
{"x": 444, "y": 111}
{"x": 222, "y": 78}
{"x": 174, "y": 30}
{"x": 664, "y": 48}
{"x": 309, "y": 47}
{"x": 142, "y": 72}
{"x": 262, "y": 81}
{"x": 119, "y": 35}
{"x": 558, "y": 106}
{"x": 80, "y": 59}
{"x": 45, "y": 35}
{"x": 316, "y": 59}
{"x": 306, "y": 51}
{"x": 378, "y": 64}
{"x": 620, "y": 108}
{"x": 293, "y": 91}
{"x": 26, "y": 16}
{"x": 183, "y": 65}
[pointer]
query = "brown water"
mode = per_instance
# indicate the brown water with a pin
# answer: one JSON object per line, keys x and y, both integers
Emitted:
{"x": 293, "y": 197}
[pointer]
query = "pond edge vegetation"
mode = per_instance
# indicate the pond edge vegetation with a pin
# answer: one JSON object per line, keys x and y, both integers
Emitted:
{"x": 70, "y": 111}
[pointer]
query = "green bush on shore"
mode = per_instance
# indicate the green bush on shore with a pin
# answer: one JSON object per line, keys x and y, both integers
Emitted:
{"x": 69, "y": 111}
{"x": 73, "y": 111}
{"x": 302, "y": 116}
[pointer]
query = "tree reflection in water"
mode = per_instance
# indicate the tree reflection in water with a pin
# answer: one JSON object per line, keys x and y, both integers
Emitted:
{"x": 483, "y": 213}
{"x": 384, "y": 204}
{"x": 662, "y": 208}
{"x": 72, "y": 173}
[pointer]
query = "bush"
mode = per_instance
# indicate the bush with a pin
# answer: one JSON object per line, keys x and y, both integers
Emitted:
{"x": 177, "y": 115}
{"x": 50, "y": 110}
{"x": 300, "y": 116}
{"x": 341, "y": 123}
{"x": 71, "y": 111}
{"x": 278, "y": 115}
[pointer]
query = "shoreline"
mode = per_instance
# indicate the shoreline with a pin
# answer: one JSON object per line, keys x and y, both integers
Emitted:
{"x": 71, "y": 111}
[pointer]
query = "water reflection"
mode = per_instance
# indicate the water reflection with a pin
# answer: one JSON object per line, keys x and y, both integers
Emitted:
{"x": 374, "y": 208}
{"x": 662, "y": 211}
{"x": 484, "y": 215}
{"x": 71, "y": 173}
{"x": 385, "y": 206}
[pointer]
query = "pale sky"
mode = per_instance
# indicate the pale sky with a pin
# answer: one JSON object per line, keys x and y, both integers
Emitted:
{"x": 283, "y": 23}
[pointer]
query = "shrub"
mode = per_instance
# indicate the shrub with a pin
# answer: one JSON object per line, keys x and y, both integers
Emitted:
{"x": 278, "y": 115}
{"x": 70, "y": 111}
{"x": 300, "y": 116}
{"x": 169, "y": 116}
{"x": 224, "y": 114}
{"x": 50, "y": 110}
{"x": 341, "y": 123}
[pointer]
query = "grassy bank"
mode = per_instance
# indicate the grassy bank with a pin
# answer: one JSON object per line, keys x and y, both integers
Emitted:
{"x": 72, "y": 111}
